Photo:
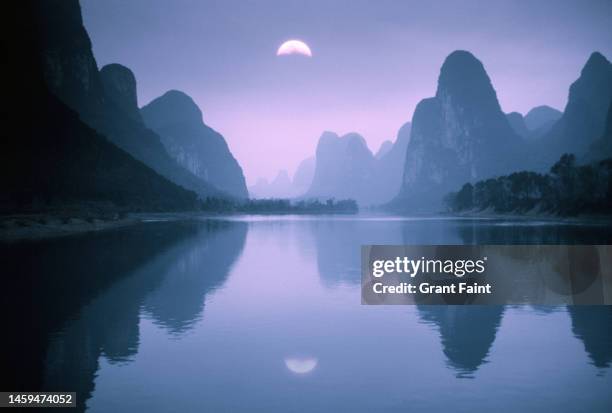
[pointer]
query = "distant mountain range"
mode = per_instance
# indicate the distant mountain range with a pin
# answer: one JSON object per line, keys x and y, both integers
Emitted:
{"x": 536, "y": 123}
{"x": 283, "y": 187}
{"x": 279, "y": 187}
{"x": 346, "y": 168}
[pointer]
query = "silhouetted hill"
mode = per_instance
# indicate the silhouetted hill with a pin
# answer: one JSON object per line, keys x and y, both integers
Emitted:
{"x": 517, "y": 122}
{"x": 459, "y": 135}
{"x": 304, "y": 175}
{"x": 344, "y": 168}
{"x": 466, "y": 332}
{"x": 389, "y": 168}
{"x": 71, "y": 73}
{"x": 279, "y": 187}
{"x": 194, "y": 145}
{"x": 584, "y": 117}
{"x": 541, "y": 118}
{"x": 587, "y": 325}
{"x": 120, "y": 88}
{"x": 385, "y": 147}
{"x": 55, "y": 159}
{"x": 282, "y": 186}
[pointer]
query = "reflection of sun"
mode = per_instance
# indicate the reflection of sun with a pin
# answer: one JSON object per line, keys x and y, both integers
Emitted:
{"x": 301, "y": 365}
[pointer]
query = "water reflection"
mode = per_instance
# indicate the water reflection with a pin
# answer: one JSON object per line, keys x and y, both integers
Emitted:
{"x": 337, "y": 245}
{"x": 466, "y": 333}
{"x": 97, "y": 285}
{"x": 526, "y": 231}
{"x": 338, "y": 240}
{"x": 301, "y": 365}
{"x": 46, "y": 283}
{"x": 593, "y": 326}
{"x": 198, "y": 268}
{"x": 134, "y": 312}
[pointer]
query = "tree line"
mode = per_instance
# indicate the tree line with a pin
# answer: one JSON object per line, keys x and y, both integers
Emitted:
{"x": 568, "y": 189}
{"x": 280, "y": 206}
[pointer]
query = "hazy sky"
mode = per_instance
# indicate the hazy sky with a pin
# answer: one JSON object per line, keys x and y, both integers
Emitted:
{"x": 372, "y": 61}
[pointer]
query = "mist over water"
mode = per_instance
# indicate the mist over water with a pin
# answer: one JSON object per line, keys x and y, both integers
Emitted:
{"x": 187, "y": 316}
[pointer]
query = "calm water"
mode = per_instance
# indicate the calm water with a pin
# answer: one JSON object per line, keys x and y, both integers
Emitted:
{"x": 264, "y": 315}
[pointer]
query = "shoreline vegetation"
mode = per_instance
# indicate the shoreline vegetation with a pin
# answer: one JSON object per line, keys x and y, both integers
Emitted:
{"x": 42, "y": 226}
{"x": 280, "y": 206}
{"x": 77, "y": 219}
{"x": 568, "y": 190}
{"x": 569, "y": 193}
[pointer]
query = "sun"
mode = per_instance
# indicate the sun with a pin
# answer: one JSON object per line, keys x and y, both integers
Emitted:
{"x": 294, "y": 47}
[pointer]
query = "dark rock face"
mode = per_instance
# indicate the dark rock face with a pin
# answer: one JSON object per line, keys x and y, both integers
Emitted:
{"x": 58, "y": 160}
{"x": 457, "y": 136}
{"x": 120, "y": 87}
{"x": 198, "y": 148}
{"x": 541, "y": 118}
{"x": 70, "y": 69}
{"x": 584, "y": 118}
{"x": 71, "y": 73}
{"x": 602, "y": 147}
{"x": 517, "y": 122}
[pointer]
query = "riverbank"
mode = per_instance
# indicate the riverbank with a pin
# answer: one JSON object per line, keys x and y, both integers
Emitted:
{"x": 30, "y": 227}
{"x": 38, "y": 226}
{"x": 21, "y": 227}
{"x": 534, "y": 214}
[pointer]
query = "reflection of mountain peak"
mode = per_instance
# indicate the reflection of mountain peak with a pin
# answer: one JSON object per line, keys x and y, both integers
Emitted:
{"x": 467, "y": 333}
{"x": 198, "y": 267}
{"x": 591, "y": 325}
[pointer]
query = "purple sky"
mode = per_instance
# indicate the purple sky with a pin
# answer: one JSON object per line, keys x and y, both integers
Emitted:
{"x": 372, "y": 61}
